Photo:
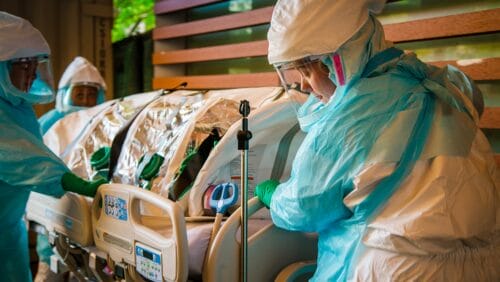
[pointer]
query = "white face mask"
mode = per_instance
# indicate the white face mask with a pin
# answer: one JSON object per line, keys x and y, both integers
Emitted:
{"x": 310, "y": 112}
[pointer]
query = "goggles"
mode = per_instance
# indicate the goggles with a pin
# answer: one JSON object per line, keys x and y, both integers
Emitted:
{"x": 306, "y": 76}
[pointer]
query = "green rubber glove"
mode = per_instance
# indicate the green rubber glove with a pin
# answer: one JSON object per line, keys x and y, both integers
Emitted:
{"x": 265, "y": 190}
{"x": 73, "y": 183}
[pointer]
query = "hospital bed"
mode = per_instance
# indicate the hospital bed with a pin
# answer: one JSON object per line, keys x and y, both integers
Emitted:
{"x": 157, "y": 247}
{"x": 67, "y": 220}
{"x": 163, "y": 127}
{"x": 69, "y": 217}
{"x": 60, "y": 223}
{"x": 271, "y": 249}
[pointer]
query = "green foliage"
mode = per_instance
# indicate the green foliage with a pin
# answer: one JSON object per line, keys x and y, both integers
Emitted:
{"x": 132, "y": 17}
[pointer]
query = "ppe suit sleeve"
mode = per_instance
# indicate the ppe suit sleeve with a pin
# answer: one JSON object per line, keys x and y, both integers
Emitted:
{"x": 27, "y": 163}
{"x": 312, "y": 198}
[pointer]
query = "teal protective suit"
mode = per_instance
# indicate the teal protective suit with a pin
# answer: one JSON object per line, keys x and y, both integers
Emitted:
{"x": 378, "y": 88}
{"x": 26, "y": 165}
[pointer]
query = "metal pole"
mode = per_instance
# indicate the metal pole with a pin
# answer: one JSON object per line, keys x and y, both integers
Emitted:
{"x": 244, "y": 216}
{"x": 244, "y": 135}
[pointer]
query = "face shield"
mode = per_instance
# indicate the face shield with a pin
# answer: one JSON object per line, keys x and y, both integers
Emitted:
{"x": 84, "y": 94}
{"x": 81, "y": 95}
{"x": 306, "y": 77}
{"x": 31, "y": 75}
{"x": 30, "y": 79}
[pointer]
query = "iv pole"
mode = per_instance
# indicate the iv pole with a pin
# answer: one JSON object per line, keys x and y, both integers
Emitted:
{"x": 244, "y": 135}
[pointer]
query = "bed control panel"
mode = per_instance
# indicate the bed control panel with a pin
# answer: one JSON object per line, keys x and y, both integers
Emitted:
{"x": 148, "y": 262}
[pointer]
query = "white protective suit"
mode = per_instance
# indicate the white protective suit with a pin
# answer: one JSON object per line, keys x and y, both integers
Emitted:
{"x": 394, "y": 173}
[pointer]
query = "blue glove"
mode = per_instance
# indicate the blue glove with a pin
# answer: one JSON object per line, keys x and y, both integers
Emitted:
{"x": 73, "y": 183}
{"x": 265, "y": 190}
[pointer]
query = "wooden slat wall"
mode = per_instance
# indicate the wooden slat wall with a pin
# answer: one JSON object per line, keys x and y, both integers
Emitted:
{"x": 471, "y": 23}
{"x": 448, "y": 26}
{"x": 168, "y": 61}
{"x": 220, "y": 81}
{"x": 491, "y": 118}
{"x": 229, "y": 51}
{"x": 238, "y": 20}
{"x": 165, "y": 7}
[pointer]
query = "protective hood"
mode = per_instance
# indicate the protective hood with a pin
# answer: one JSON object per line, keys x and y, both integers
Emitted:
{"x": 346, "y": 66}
{"x": 21, "y": 40}
{"x": 80, "y": 71}
{"x": 301, "y": 28}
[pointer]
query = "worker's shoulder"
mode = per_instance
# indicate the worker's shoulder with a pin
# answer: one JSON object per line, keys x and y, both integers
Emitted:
{"x": 393, "y": 80}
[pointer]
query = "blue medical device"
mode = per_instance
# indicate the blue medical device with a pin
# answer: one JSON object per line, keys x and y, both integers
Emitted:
{"x": 223, "y": 196}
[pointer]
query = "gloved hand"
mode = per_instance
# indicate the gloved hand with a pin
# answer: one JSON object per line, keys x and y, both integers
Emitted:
{"x": 265, "y": 190}
{"x": 73, "y": 183}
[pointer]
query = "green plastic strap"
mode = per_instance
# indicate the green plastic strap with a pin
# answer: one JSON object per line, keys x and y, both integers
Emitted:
{"x": 100, "y": 158}
{"x": 152, "y": 167}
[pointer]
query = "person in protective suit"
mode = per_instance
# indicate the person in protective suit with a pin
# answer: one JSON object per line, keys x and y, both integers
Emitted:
{"x": 394, "y": 174}
{"x": 81, "y": 86}
{"x": 26, "y": 164}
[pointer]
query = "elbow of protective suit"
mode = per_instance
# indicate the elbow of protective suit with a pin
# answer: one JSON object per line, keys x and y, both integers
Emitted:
{"x": 73, "y": 183}
{"x": 305, "y": 211}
